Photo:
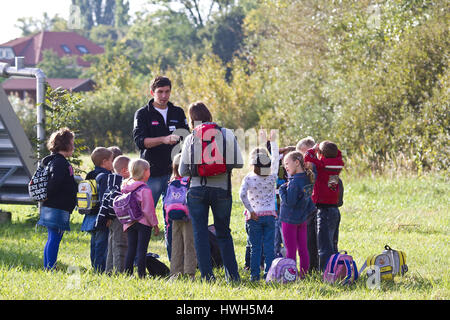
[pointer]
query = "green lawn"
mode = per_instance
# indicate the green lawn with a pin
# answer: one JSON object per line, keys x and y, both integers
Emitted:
{"x": 409, "y": 213}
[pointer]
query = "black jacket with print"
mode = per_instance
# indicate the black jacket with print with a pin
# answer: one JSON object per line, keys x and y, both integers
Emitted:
{"x": 149, "y": 123}
{"x": 61, "y": 188}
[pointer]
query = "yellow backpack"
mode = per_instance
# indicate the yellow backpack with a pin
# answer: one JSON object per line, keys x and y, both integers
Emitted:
{"x": 87, "y": 196}
{"x": 390, "y": 263}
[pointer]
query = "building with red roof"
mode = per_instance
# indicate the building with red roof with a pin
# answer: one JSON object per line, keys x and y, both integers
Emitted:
{"x": 63, "y": 43}
{"x": 26, "y": 87}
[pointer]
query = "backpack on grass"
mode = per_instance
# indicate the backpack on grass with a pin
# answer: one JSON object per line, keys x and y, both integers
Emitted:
{"x": 216, "y": 258}
{"x": 127, "y": 207}
{"x": 87, "y": 196}
{"x": 283, "y": 270}
{"x": 155, "y": 267}
{"x": 341, "y": 268}
{"x": 390, "y": 263}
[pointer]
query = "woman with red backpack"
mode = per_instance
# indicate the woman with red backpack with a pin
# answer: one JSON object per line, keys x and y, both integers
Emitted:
{"x": 208, "y": 156}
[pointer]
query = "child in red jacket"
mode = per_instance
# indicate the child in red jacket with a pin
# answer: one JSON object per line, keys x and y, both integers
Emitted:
{"x": 328, "y": 161}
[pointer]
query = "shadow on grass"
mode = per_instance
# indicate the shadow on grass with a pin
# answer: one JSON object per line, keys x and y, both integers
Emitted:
{"x": 24, "y": 259}
{"x": 24, "y": 242}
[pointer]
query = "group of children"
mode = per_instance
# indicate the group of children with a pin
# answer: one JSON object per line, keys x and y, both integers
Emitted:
{"x": 305, "y": 212}
{"x": 296, "y": 201}
{"x": 116, "y": 247}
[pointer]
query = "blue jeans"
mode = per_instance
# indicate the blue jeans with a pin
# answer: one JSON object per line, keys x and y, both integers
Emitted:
{"x": 199, "y": 200}
{"x": 312, "y": 242}
{"x": 261, "y": 233}
{"x": 328, "y": 220}
{"x": 158, "y": 185}
{"x": 51, "y": 247}
{"x": 248, "y": 248}
{"x": 99, "y": 249}
{"x": 278, "y": 238}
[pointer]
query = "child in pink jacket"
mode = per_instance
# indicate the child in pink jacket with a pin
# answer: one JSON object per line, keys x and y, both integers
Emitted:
{"x": 139, "y": 232}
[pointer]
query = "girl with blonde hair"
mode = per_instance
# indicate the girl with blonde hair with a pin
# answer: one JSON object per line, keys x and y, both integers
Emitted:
{"x": 139, "y": 232}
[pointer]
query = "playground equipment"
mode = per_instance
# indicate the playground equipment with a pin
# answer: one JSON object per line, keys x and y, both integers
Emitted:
{"x": 17, "y": 159}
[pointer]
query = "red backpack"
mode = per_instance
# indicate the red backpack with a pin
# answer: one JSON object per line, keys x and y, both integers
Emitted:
{"x": 212, "y": 161}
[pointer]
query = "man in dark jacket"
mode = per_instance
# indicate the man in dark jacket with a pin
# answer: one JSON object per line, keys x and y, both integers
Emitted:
{"x": 158, "y": 127}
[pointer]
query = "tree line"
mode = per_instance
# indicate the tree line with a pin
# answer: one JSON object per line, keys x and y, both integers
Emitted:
{"x": 370, "y": 75}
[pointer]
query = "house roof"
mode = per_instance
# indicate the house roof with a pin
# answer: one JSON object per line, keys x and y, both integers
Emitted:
{"x": 30, "y": 84}
{"x": 32, "y": 47}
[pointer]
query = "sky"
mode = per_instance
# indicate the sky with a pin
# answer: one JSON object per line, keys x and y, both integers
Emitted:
{"x": 11, "y": 10}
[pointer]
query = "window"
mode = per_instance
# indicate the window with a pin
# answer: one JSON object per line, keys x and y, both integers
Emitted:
{"x": 66, "y": 48}
{"x": 6, "y": 53}
{"x": 82, "y": 49}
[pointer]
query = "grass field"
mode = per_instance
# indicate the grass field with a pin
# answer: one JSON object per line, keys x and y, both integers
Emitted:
{"x": 409, "y": 213}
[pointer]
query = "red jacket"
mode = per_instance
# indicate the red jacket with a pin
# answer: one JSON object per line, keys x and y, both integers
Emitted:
{"x": 326, "y": 187}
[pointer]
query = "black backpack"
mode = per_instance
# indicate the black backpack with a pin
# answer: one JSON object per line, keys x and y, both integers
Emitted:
{"x": 216, "y": 258}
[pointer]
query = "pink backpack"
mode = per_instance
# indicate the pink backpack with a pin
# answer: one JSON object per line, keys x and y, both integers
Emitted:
{"x": 282, "y": 270}
{"x": 341, "y": 268}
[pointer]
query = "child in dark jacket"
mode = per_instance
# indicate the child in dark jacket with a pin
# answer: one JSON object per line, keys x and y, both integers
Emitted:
{"x": 102, "y": 159}
{"x": 61, "y": 193}
{"x": 327, "y": 159}
{"x": 296, "y": 207}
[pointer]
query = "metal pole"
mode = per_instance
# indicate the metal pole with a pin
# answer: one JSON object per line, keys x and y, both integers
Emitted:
{"x": 6, "y": 71}
{"x": 40, "y": 114}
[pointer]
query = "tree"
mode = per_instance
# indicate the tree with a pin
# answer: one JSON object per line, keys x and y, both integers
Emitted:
{"x": 56, "y": 67}
{"x": 83, "y": 12}
{"x": 182, "y": 27}
{"x": 197, "y": 12}
{"x": 121, "y": 16}
{"x": 162, "y": 37}
{"x": 106, "y": 117}
{"x": 101, "y": 12}
{"x": 227, "y": 34}
{"x": 366, "y": 79}
{"x": 30, "y": 25}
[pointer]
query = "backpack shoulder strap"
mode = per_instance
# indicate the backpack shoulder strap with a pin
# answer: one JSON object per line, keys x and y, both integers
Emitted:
{"x": 333, "y": 262}
{"x": 349, "y": 271}
{"x": 363, "y": 267}
{"x": 140, "y": 187}
{"x": 355, "y": 270}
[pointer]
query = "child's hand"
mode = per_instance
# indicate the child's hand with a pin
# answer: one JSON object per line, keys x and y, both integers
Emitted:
{"x": 316, "y": 147}
{"x": 273, "y": 135}
{"x": 156, "y": 230}
{"x": 253, "y": 216}
{"x": 262, "y": 137}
